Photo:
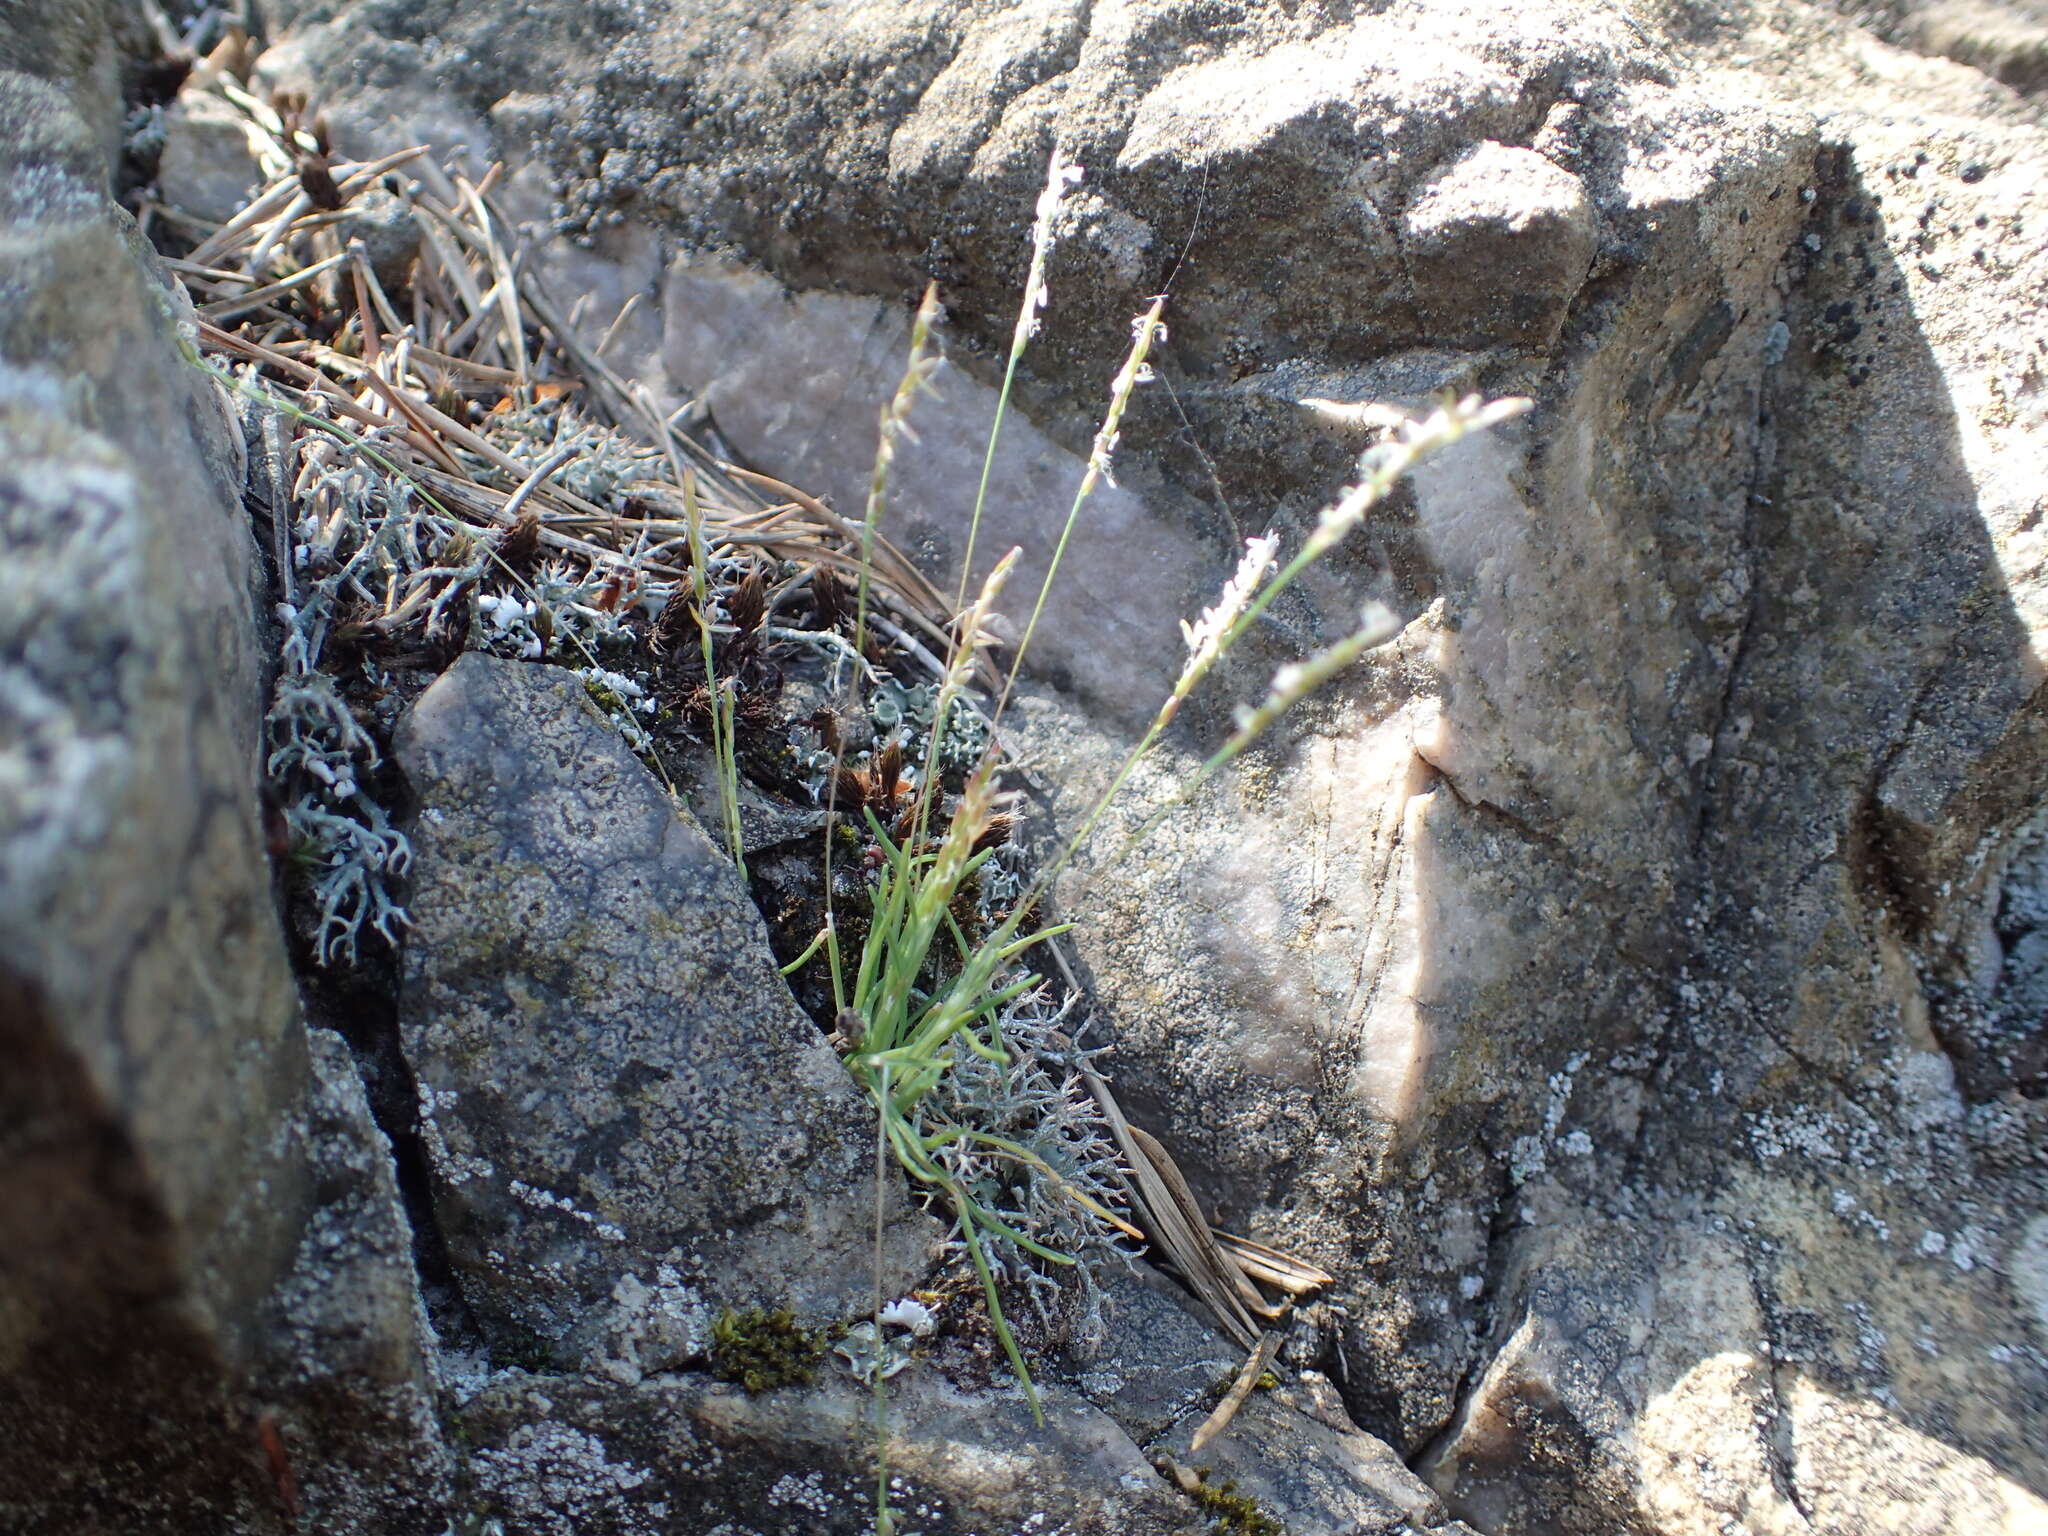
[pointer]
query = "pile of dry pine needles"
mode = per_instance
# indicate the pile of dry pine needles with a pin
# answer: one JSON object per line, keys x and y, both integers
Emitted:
{"x": 440, "y": 388}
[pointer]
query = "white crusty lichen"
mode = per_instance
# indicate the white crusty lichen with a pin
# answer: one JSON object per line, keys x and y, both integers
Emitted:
{"x": 563, "y": 1480}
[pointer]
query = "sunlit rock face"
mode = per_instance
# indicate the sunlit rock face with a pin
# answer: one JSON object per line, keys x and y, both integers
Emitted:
{"x": 1628, "y": 981}
{"x": 1659, "y": 868}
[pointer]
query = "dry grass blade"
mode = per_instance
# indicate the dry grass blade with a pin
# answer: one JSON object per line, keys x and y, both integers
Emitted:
{"x": 1216, "y": 1266}
{"x": 1271, "y": 1267}
{"x": 1198, "y": 1253}
{"x": 227, "y": 309}
{"x": 1173, "y": 1221}
{"x": 1247, "y": 1378}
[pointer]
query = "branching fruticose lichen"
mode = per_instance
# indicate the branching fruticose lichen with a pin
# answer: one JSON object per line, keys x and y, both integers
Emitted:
{"x": 372, "y": 558}
{"x": 1070, "y": 1174}
{"x": 349, "y": 528}
{"x": 355, "y": 856}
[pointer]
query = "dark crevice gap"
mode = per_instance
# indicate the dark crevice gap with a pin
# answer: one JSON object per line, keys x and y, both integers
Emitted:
{"x": 359, "y": 1002}
{"x": 1777, "y": 1434}
{"x": 1487, "y": 1334}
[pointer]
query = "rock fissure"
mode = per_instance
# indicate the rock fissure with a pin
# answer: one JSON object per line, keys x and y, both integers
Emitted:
{"x": 1778, "y": 1438}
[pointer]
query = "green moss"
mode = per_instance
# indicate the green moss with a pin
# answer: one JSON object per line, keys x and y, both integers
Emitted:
{"x": 525, "y": 1350}
{"x": 1230, "y": 1512}
{"x": 759, "y": 1350}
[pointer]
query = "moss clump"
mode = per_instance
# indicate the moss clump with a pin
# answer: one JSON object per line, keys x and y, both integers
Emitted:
{"x": 758, "y": 1349}
{"x": 605, "y": 697}
{"x": 526, "y": 1350}
{"x": 1231, "y": 1512}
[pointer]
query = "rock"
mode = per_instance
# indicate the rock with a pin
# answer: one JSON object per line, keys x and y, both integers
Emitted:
{"x": 622, "y": 1101}
{"x": 1670, "y": 882}
{"x": 212, "y": 158}
{"x": 1692, "y": 1377}
{"x": 1162, "y": 1356}
{"x": 1507, "y": 238}
{"x": 2006, "y": 39}
{"x": 577, "y": 1458}
{"x": 349, "y": 1349}
{"x": 82, "y": 49}
{"x": 389, "y": 232}
{"x": 803, "y": 373}
{"x": 1291, "y": 1449}
{"x": 1316, "y": 1480}
{"x": 1628, "y": 1359}
{"x": 148, "y": 1200}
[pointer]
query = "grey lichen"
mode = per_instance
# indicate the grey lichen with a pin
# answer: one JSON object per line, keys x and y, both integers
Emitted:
{"x": 352, "y": 526}
{"x": 373, "y": 559}
{"x": 353, "y": 855}
{"x": 1063, "y": 1188}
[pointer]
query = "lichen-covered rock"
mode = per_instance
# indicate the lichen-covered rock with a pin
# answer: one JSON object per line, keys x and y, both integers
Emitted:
{"x": 1628, "y": 1358}
{"x": 1290, "y": 1450}
{"x": 150, "y": 1195}
{"x": 1687, "y": 1377}
{"x": 1314, "y": 1478}
{"x": 1161, "y": 1357}
{"x": 620, "y": 1095}
{"x": 1680, "y": 863}
{"x": 349, "y": 1372}
{"x": 679, "y": 1456}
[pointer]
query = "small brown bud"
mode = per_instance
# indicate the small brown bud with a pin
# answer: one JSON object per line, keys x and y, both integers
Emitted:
{"x": 748, "y": 604}
{"x": 519, "y": 544}
{"x": 848, "y": 1030}
{"x": 830, "y": 597}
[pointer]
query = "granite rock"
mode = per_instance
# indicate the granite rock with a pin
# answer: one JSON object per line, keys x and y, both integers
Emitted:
{"x": 350, "y": 1369}
{"x": 685, "y": 1454}
{"x": 619, "y": 1094}
{"x": 1316, "y": 1479}
{"x": 148, "y": 1200}
{"x": 1672, "y": 882}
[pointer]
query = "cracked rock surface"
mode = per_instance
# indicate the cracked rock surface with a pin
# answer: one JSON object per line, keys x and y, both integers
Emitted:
{"x": 1630, "y": 984}
{"x": 1627, "y": 983}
